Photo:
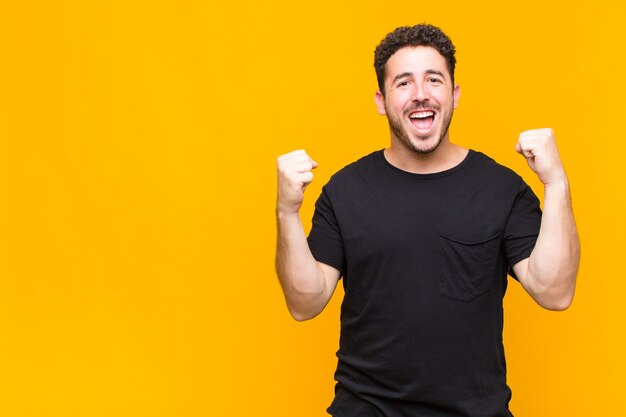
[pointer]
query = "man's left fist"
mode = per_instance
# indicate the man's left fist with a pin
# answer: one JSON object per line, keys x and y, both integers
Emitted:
{"x": 539, "y": 148}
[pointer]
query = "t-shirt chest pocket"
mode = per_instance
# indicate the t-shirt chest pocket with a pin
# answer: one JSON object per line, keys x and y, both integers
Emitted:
{"x": 467, "y": 267}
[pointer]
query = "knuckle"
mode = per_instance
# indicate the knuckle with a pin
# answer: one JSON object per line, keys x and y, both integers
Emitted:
{"x": 291, "y": 155}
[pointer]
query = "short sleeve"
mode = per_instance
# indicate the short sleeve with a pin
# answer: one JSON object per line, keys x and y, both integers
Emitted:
{"x": 522, "y": 227}
{"x": 325, "y": 239}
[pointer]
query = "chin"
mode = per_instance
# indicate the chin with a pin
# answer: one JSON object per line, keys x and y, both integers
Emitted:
{"x": 422, "y": 146}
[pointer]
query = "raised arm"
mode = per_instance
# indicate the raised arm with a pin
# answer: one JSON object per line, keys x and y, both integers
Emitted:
{"x": 307, "y": 284}
{"x": 549, "y": 274}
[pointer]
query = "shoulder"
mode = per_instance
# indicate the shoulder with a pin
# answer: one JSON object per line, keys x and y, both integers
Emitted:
{"x": 484, "y": 166}
{"x": 361, "y": 164}
{"x": 363, "y": 167}
{"x": 350, "y": 183}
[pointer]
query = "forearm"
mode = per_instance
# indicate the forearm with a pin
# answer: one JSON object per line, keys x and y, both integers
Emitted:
{"x": 306, "y": 291}
{"x": 553, "y": 264}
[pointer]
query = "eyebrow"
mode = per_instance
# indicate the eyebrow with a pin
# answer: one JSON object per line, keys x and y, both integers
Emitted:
{"x": 402, "y": 75}
{"x": 410, "y": 74}
{"x": 436, "y": 72}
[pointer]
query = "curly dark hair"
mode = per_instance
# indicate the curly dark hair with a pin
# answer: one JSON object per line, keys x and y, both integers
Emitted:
{"x": 418, "y": 35}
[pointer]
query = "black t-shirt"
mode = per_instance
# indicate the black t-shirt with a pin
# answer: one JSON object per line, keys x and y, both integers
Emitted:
{"x": 424, "y": 261}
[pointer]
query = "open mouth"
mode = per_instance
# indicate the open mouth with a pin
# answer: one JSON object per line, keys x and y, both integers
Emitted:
{"x": 422, "y": 119}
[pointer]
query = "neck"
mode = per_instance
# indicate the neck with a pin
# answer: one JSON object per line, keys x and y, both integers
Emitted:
{"x": 446, "y": 156}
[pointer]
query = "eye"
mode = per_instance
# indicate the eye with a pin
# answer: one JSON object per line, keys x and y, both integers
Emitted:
{"x": 434, "y": 80}
{"x": 403, "y": 83}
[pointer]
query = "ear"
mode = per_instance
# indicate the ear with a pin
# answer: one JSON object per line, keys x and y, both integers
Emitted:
{"x": 456, "y": 94}
{"x": 380, "y": 102}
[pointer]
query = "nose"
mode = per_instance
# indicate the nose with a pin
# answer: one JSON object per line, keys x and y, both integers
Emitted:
{"x": 420, "y": 92}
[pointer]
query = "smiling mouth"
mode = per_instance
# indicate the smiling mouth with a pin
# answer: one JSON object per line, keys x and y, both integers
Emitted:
{"x": 422, "y": 120}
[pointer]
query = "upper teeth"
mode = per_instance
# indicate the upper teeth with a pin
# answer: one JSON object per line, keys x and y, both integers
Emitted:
{"x": 421, "y": 115}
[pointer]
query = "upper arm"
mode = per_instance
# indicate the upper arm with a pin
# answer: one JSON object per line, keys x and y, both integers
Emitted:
{"x": 520, "y": 269}
{"x": 325, "y": 239}
{"x": 525, "y": 279}
{"x": 306, "y": 307}
{"x": 546, "y": 294}
{"x": 521, "y": 233}
{"x": 331, "y": 277}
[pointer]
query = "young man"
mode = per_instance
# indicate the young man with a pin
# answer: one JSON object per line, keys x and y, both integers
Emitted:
{"x": 424, "y": 234}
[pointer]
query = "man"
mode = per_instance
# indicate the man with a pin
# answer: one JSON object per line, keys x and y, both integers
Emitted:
{"x": 424, "y": 234}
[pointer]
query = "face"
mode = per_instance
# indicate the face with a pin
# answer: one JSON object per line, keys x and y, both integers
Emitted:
{"x": 419, "y": 98}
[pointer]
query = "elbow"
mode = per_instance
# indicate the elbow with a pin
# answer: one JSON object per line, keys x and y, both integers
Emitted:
{"x": 559, "y": 304}
{"x": 300, "y": 315}
{"x": 303, "y": 310}
{"x": 554, "y": 292}
{"x": 557, "y": 301}
{"x": 306, "y": 303}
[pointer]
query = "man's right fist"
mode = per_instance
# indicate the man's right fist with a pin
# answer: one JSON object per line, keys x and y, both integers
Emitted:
{"x": 294, "y": 174}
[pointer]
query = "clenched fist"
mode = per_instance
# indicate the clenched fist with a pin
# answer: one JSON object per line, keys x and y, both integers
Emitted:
{"x": 538, "y": 146}
{"x": 294, "y": 174}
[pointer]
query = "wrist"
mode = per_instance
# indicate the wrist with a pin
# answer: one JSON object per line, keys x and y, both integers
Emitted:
{"x": 560, "y": 182}
{"x": 285, "y": 213}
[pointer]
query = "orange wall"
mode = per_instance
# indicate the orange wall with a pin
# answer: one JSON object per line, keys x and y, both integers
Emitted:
{"x": 137, "y": 188}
